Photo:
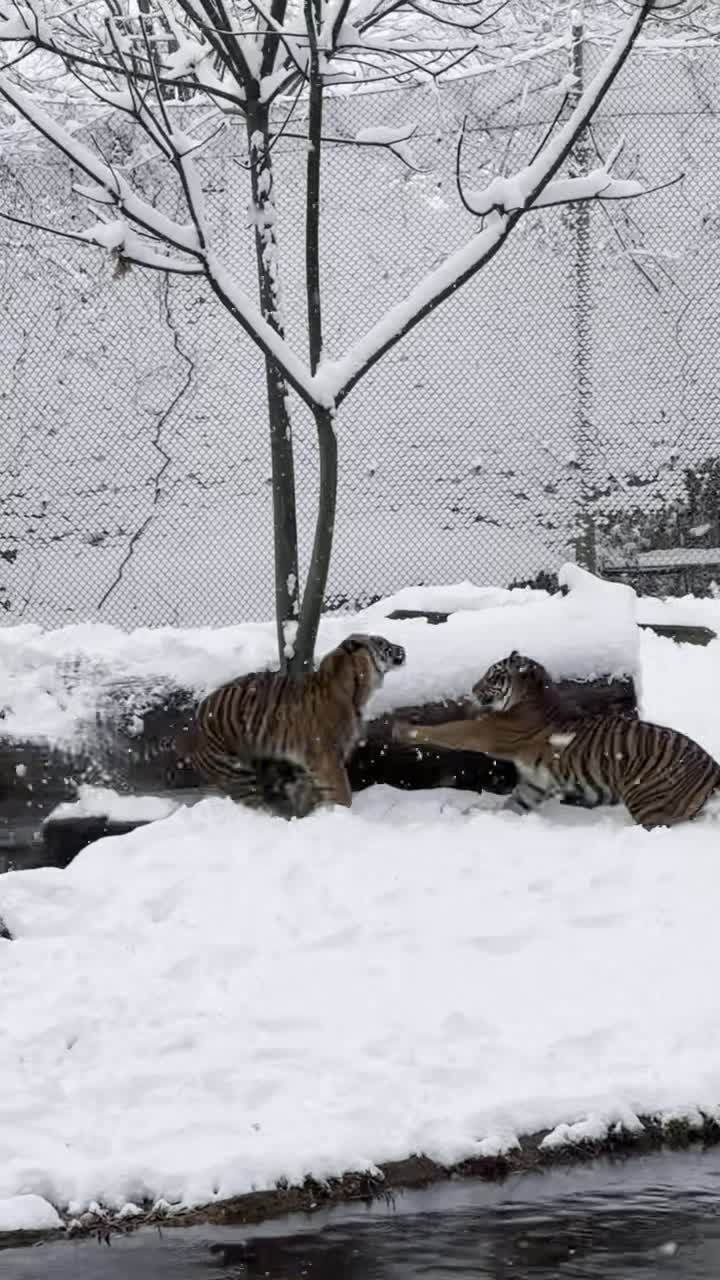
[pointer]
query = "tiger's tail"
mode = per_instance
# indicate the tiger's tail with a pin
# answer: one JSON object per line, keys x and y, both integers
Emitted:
{"x": 268, "y": 783}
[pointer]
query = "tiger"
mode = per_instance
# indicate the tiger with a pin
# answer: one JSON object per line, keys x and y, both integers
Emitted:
{"x": 660, "y": 775}
{"x": 279, "y": 743}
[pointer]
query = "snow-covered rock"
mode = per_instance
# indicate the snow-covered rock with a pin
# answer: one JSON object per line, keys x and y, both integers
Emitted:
{"x": 28, "y": 1213}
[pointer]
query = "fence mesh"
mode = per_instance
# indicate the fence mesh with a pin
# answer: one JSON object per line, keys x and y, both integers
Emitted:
{"x": 566, "y": 397}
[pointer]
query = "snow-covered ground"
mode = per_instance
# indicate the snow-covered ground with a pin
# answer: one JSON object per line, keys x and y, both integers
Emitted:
{"x": 221, "y": 1000}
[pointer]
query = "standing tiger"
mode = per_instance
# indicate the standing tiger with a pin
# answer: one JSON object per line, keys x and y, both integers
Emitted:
{"x": 660, "y": 775}
{"x": 279, "y": 743}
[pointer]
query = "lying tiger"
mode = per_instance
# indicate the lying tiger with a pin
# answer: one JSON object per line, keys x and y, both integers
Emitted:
{"x": 661, "y": 776}
{"x": 281, "y": 744}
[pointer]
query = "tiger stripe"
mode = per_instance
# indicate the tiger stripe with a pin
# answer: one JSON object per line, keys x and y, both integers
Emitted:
{"x": 280, "y": 743}
{"x": 660, "y": 775}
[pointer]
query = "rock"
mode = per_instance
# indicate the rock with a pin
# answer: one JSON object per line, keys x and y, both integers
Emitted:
{"x": 64, "y": 838}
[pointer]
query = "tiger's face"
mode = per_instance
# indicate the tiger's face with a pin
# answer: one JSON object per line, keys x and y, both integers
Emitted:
{"x": 505, "y": 683}
{"x": 382, "y": 653}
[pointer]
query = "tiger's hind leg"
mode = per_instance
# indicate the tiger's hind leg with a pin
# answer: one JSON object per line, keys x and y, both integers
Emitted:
{"x": 332, "y": 779}
{"x": 650, "y": 806}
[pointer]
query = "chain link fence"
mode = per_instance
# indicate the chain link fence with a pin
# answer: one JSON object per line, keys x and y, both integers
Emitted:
{"x": 565, "y": 401}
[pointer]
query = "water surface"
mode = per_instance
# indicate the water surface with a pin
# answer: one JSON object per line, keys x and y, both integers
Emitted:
{"x": 657, "y": 1216}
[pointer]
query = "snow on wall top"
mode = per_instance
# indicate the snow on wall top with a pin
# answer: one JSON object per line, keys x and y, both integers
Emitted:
{"x": 590, "y": 632}
{"x": 51, "y": 680}
{"x": 451, "y": 598}
{"x": 671, "y": 558}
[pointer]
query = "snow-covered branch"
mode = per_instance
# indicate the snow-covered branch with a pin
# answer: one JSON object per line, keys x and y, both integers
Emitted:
{"x": 242, "y": 47}
{"x": 506, "y": 195}
{"x": 336, "y": 378}
{"x": 111, "y": 186}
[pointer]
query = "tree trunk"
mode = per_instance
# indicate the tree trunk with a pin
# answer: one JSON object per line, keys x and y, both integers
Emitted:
{"x": 580, "y": 220}
{"x": 314, "y": 593}
{"x": 287, "y": 586}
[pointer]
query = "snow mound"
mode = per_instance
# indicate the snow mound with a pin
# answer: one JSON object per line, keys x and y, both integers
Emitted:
{"x": 590, "y": 632}
{"x": 221, "y": 1000}
{"x": 103, "y": 801}
{"x": 28, "y": 1213}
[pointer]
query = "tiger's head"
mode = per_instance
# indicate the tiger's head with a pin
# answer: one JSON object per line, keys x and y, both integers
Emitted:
{"x": 508, "y": 682}
{"x": 382, "y": 653}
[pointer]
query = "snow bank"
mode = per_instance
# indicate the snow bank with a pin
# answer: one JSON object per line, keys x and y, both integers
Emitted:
{"x": 590, "y": 632}
{"x": 680, "y": 610}
{"x": 28, "y": 1213}
{"x": 51, "y": 679}
{"x": 221, "y": 1000}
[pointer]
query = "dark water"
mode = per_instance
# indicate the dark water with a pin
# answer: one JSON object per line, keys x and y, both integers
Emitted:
{"x": 656, "y": 1217}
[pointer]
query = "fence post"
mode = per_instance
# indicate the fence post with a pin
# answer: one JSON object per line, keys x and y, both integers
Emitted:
{"x": 585, "y": 542}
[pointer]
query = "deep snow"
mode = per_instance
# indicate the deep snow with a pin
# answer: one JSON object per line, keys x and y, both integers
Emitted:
{"x": 221, "y": 1000}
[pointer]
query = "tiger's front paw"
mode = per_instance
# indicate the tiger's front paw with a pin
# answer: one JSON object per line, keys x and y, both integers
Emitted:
{"x": 403, "y": 731}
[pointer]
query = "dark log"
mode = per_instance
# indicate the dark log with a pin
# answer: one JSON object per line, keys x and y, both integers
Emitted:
{"x": 378, "y": 759}
{"x": 141, "y": 736}
{"x": 34, "y": 778}
{"x": 64, "y": 838}
{"x": 680, "y": 633}
{"x": 433, "y": 616}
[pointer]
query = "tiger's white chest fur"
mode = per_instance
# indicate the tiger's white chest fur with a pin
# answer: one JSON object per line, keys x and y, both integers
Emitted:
{"x": 541, "y": 776}
{"x": 538, "y": 776}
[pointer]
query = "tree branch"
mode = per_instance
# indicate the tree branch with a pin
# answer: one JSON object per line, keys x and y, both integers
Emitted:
{"x": 334, "y": 380}
{"x": 134, "y": 208}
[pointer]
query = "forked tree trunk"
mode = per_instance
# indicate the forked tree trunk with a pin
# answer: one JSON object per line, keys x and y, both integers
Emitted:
{"x": 314, "y": 592}
{"x": 581, "y": 224}
{"x": 316, "y": 583}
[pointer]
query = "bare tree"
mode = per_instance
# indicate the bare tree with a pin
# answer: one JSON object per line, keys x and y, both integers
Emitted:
{"x": 256, "y": 59}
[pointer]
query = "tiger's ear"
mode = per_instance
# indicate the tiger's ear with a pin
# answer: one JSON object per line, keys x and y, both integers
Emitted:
{"x": 354, "y": 642}
{"x": 519, "y": 662}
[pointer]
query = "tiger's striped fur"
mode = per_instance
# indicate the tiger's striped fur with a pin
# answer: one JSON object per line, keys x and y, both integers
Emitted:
{"x": 279, "y": 743}
{"x": 660, "y": 775}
